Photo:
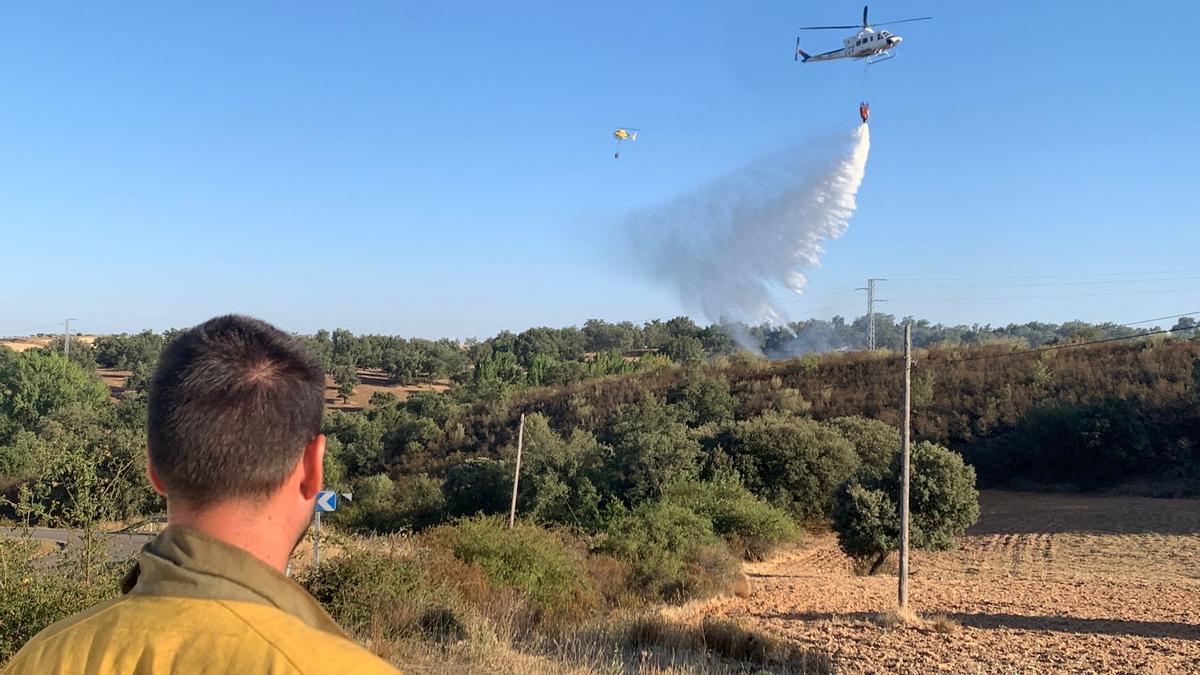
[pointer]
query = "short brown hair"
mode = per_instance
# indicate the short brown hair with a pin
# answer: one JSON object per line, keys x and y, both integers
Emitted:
{"x": 232, "y": 404}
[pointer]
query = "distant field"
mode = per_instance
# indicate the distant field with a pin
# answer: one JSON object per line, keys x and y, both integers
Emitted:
{"x": 20, "y": 344}
{"x": 372, "y": 380}
{"x": 1043, "y": 583}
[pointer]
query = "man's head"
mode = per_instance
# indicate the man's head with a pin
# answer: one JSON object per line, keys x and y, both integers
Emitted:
{"x": 235, "y": 409}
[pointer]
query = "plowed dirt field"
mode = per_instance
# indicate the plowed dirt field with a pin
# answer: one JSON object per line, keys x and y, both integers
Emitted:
{"x": 1042, "y": 584}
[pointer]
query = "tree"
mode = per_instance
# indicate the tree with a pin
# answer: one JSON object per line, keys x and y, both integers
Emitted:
{"x": 650, "y": 448}
{"x": 34, "y": 383}
{"x": 684, "y": 349}
{"x": 703, "y": 399}
{"x": 943, "y": 503}
{"x": 600, "y": 335}
{"x": 559, "y": 475}
{"x": 875, "y": 442}
{"x": 346, "y": 378}
{"x": 791, "y": 461}
{"x": 478, "y": 485}
{"x": 82, "y": 353}
{"x": 124, "y": 352}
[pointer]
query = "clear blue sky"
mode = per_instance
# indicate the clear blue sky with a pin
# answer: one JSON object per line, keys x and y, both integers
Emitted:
{"x": 445, "y": 168}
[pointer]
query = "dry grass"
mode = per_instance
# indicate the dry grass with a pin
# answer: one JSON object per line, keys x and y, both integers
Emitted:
{"x": 742, "y": 587}
{"x": 899, "y": 617}
{"x": 455, "y": 621}
{"x": 940, "y": 623}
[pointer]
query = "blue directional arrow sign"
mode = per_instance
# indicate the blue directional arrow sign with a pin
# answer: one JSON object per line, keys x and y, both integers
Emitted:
{"x": 326, "y": 501}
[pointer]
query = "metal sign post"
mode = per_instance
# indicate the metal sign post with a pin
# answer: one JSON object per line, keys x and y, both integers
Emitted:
{"x": 326, "y": 501}
{"x": 317, "y": 539}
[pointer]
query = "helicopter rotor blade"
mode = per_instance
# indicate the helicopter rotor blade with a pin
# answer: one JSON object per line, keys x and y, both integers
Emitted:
{"x": 827, "y": 27}
{"x": 919, "y": 18}
{"x": 865, "y": 24}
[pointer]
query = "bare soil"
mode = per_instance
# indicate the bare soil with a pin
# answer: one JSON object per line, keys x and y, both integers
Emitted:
{"x": 370, "y": 382}
{"x": 1043, "y": 583}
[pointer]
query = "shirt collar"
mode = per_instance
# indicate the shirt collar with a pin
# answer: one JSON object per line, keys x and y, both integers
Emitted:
{"x": 183, "y": 562}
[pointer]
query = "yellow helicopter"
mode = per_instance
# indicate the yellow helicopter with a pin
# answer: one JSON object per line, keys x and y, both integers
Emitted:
{"x": 624, "y": 134}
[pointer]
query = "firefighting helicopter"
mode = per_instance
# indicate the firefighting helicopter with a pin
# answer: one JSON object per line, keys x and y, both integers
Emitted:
{"x": 866, "y": 44}
{"x": 624, "y": 134}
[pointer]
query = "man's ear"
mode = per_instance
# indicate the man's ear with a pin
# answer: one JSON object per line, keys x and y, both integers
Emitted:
{"x": 313, "y": 463}
{"x": 155, "y": 482}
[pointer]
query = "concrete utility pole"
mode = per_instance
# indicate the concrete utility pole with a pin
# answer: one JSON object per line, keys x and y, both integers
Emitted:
{"x": 512, "y": 514}
{"x": 67, "y": 337}
{"x": 905, "y": 440}
{"x": 871, "y": 300}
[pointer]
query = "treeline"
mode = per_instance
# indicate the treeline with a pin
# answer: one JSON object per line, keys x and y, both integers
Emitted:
{"x": 541, "y": 356}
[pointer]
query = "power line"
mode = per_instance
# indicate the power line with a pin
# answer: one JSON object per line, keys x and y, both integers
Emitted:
{"x": 1048, "y": 276}
{"x": 1035, "y": 297}
{"x": 1161, "y": 318}
{"x": 802, "y": 297}
{"x": 1055, "y": 284}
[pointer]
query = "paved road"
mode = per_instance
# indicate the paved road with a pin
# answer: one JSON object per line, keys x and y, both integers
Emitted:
{"x": 120, "y": 544}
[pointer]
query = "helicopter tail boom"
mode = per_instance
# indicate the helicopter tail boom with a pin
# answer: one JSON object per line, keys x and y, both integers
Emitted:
{"x": 800, "y": 53}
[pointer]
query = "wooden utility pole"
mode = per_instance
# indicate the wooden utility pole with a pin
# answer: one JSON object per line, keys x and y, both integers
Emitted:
{"x": 512, "y": 514}
{"x": 905, "y": 439}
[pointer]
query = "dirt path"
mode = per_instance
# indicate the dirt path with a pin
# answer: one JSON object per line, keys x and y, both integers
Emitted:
{"x": 1043, "y": 583}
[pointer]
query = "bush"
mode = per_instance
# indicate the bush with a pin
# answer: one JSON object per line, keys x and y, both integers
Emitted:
{"x": 674, "y": 553}
{"x": 478, "y": 485}
{"x": 538, "y": 563}
{"x": 943, "y": 503}
{"x": 650, "y": 448}
{"x": 792, "y": 462}
{"x": 703, "y": 399}
{"x": 36, "y": 596}
{"x": 875, "y": 442}
{"x": 725, "y": 639}
{"x": 387, "y": 594}
{"x": 751, "y": 527}
{"x": 558, "y": 476}
{"x": 383, "y": 505}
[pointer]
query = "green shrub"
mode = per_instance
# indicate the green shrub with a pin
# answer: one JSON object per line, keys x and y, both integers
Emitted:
{"x": 792, "y": 462}
{"x": 36, "y": 595}
{"x": 943, "y": 503}
{"x": 383, "y": 505}
{"x": 875, "y": 442}
{"x": 751, "y": 527}
{"x": 538, "y": 563}
{"x": 650, "y": 448}
{"x": 703, "y": 399}
{"x": 478, "y": 485}
{"x": 389, "y": 594}
{"x": 674, "y": 553}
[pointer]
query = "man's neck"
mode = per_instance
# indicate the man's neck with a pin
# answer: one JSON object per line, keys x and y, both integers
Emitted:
{"x": 250, "y": 527}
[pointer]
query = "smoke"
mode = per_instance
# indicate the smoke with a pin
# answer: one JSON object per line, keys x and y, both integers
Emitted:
{"x": 726, "y": 246}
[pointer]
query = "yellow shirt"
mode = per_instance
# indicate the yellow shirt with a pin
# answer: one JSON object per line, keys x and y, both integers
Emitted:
{"x": 195, "y": 604}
